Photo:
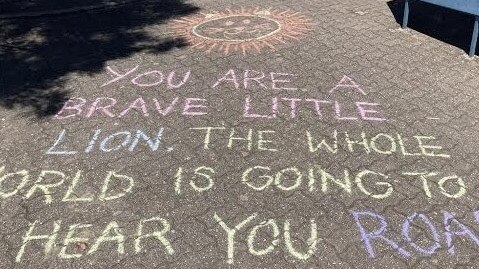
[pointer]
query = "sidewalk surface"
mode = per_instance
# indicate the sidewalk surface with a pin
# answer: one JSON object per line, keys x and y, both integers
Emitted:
{"x": 237, "y": 134}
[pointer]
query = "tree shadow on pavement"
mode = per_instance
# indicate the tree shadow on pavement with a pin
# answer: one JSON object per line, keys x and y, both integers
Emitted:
{"x": 41, "y": 45}
{"x": 446, "y": 25}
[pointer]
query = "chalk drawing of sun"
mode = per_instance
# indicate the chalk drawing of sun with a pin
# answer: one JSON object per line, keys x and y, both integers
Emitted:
{"x": 244, "y": 30}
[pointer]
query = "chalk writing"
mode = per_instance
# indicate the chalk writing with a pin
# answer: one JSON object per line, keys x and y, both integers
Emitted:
{"x": 261, "y": 139}
{"x": 127, "y": 140}
{"x": 150, "y": 78}
{"x": 108, "y": 107}
{"x": 243, "y": 30}
{"x": 253, "y": 107}
{"x": 311, "y": 242}
{"x": 451, "y": 179}
{"x": 452, "y": 228}
{"x": 357, "y": 111}
{"x": 347, "y": 83}
{"x": 255, "y": 79}
{"x": 81, "y": 107}
{"x": 260, "y": 178}
{"x": 411, "y": 146}
{"x": 206, "y": 173}
{"x": 157, "y": 228}
{"x": 49, "y": 182}
{"x": 381, "y": 143}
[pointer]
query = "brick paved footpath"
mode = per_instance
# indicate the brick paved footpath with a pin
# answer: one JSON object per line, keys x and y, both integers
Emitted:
{"x": 238, "y": 134}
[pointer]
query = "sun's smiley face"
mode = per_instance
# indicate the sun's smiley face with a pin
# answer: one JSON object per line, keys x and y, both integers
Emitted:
{"x": 245, "y": 30}
{"x": 239, "y": 28}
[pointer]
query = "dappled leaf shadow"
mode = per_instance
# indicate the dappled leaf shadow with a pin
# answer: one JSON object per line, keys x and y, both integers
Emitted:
{"x": 444, "y": 24}
{"x": 39, "y": 49}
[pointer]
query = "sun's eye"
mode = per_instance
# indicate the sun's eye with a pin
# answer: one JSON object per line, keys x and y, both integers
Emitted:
{"x": 246, "y": 21}
{"x": 229, "y": 23}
